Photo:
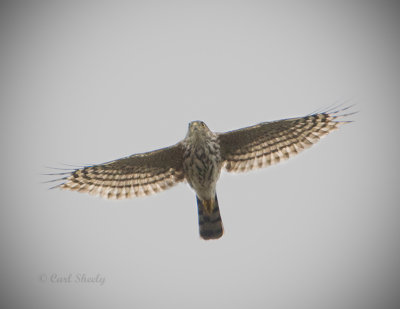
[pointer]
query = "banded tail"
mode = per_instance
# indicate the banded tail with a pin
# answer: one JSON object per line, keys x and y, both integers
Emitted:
{"x": 210, "y": 223}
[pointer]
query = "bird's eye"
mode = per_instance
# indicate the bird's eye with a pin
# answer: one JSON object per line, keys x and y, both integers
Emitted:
{"x": 203, "y": 124}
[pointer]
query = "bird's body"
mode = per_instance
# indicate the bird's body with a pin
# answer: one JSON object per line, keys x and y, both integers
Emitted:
{"x": 202, "y": 161}
{"x": 202, "y": 165}
{"x": 199, "y": 158}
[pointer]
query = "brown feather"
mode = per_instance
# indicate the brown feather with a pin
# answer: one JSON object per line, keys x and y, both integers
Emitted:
{"x": 136, "y": 175}
{"x": 272, "y": 142}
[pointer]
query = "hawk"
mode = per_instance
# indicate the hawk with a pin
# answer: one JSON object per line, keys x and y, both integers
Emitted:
{"x": 198, "y": 160}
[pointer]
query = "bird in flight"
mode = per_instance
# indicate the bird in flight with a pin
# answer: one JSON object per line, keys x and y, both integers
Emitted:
{"x": 198, "y": 160}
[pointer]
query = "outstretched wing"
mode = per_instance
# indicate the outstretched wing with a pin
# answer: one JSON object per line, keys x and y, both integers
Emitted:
{"x": 136, "y": 175}
{"x": 271, "y": 142}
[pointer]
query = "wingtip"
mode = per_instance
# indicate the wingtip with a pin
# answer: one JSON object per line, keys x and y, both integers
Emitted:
{"x": 65, "y": 173}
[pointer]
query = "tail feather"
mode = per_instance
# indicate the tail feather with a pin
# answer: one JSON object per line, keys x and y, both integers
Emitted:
{"x": 210, "y": 223}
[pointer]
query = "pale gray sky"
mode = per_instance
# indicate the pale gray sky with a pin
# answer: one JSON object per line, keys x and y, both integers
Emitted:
{"x": 86, "y": 82}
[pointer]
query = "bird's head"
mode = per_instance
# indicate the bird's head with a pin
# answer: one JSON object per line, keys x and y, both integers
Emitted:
{"x": 198, "y": 128}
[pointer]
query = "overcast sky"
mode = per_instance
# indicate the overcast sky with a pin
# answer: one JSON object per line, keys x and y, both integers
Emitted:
{"x": 88, "y": 82}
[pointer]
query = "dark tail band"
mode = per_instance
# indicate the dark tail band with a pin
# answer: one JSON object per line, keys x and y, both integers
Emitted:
{"x": 210, "y": 223}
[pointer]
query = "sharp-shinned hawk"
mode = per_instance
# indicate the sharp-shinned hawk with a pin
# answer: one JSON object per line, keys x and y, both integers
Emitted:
{"x": 199, "y": 158}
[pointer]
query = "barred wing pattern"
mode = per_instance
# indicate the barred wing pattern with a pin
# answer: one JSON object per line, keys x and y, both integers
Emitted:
{"x": 136, "y": 175}
{"x": 271, "y": 142}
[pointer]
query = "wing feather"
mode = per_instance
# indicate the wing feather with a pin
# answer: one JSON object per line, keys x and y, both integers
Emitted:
{"x": 136, "y": 175}
{"x": 272, "y": 142}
